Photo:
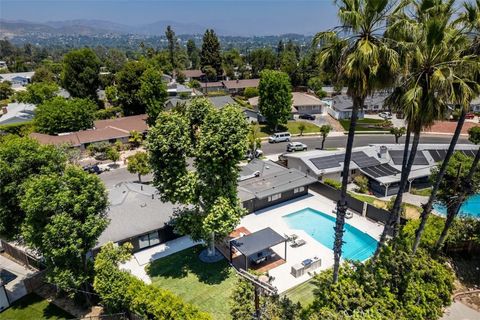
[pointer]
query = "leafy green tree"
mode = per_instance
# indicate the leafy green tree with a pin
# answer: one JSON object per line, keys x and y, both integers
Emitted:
{"x": 172, "y": 43}
{"x": 43, "y": 74}
{"x": 111, "y": 93}
{"x": 114, "y": 60}
{"x": 38, "y": 92}
{"x": 64, "y": 216}
{"x": 261, "y": 59}
{"x": 301, "y": 128}
{"x": 113, "y": 154}
{"x": 21, "y": 159}
{"x": 359, "y": 57}
{"x": 139, "y": 164}
{"x": 210, "y": 54}
{"x": 250, "y": 93}
{"x": 64, "y": 115}
{"x": 289, "y": 65}
{"x": 210, "y": 73}
{"x": 5, "y": 90}
{"x": 80, "y": 74}
{"x": 152, "y": 93}
{"x": 460, "y": 181}
{"x": 324, "y": 132}
{"x": 128, "y": 81}
{"x": 254, "y": 139}
{"x": 135, "y": 139}
{"x": 193, "y": 54}
{"x": 216, "y": 139}
{"x": 398, "y": 133}
{"x": 275, "y": 97}
{"x": 362, "y": 183}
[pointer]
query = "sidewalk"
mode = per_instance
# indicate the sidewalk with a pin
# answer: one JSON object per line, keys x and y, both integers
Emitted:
{"x": 459, "y": 311}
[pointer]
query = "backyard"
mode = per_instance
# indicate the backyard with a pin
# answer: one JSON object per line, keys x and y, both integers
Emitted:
{"x": 207, "y": 286}
{"x": 366, "y": 124}
{"x": 292, "y": 127}
{"x": 302, "y": 293}
{"x": 33, "y": 306}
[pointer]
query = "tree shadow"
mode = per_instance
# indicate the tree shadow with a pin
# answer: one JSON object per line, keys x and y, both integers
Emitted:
{"x": 179, "y": 264}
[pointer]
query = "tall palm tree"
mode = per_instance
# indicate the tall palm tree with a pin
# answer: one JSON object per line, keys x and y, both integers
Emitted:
{"x": 462, "y": 90}
{"x": 465, "y": 188}
{"x": 431, "y": 49}
{"x": 362, "y": 61}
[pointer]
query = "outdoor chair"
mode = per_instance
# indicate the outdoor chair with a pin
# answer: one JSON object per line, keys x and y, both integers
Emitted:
{"x": 291, "y": 237}
{"x": 298, "y": 243}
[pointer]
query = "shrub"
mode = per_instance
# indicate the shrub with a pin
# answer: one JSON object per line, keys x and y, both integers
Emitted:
{"x": 332, "y": 183}
{"x": 108, "y": 113}
{"x": 362, "y": 183}
{"x": 250, "y": 93}
{"x": 20, "y": 129}
{"x": 98, "y": 150}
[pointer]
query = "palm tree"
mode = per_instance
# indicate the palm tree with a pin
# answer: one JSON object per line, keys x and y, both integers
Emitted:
{"x": 324, "y": 132}
{"x": 363, "y": 61}
{"x": 461, "y": 89}
{"x": 464, "y": 189}
{"x": 430, "y": 48}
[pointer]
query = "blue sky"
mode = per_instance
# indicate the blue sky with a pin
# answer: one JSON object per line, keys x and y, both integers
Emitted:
{"x": 245, "y": 17}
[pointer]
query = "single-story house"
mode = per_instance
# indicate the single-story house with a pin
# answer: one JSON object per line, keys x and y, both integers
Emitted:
{"x": 17, "y": 113}
{"x": 110, "y": 130}
{"x": 381, "y": 164}
{"x": 341, "y": 105}
{"x": 302, "y": 103}
{"x": 330, "y": 91}
{"x": 18, "y": 79}
{"x": 193, "y": 75}
{"x": 475, "y": 105}
{"x": 238, "y": 86}
{"x": 213, "y": 86}
{"x": 264, "y": 183}
{"x": 175, "y": 89}
{"x": 137, "y": 215}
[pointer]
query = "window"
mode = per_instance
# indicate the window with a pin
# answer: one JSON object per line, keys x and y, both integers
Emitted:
{"x": 299, "y": 189}
{"x": 148, "y": 240}
{"x": 274, "y": 197}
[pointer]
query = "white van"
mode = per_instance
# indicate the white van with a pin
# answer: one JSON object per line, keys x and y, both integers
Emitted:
{"x": 279, "y": 137}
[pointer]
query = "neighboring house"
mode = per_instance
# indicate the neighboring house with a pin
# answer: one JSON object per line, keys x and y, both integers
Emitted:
{"x": 341, "y": 108}
{"x": 381, "y": 164}
{"x": 110, "y": 130}
{"x": 17, "y": 113}
{"x": 264, "y": 183}
{"x": 213, "y": 87}
{"x": 137, "y": 215}
{"x": 18, "y": 79}
{"x": 221, "y": 101}
{"x": 238, "y": 86}
{"x": 302, "y": 103}
{"x": 475, "y": 105}
{"x": 193, "y": 75}
{"x": 176, "y": 90}
{"x": 3, "y": 64}
{"x": 330, "y": 91}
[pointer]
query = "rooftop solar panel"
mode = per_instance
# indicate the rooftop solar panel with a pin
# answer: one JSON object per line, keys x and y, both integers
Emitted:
{"x": 382, "y": 170}
{"x": 328, "y": 161}
{"x": 362, "y": 160}
{"x": 397, "y": 157}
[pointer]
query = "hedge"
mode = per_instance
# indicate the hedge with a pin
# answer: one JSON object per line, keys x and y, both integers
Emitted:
{"x": 19, "y": 129}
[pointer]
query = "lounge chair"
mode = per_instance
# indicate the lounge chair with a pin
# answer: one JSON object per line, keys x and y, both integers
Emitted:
{"x": 291, "y": 237}
{"x": 298, "y": 243}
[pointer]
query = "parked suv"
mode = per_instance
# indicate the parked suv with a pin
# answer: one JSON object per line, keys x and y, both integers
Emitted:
{"x": 296, "y": 146}
{"x": 385, "y": 115}
{"x": 280, "y": 137}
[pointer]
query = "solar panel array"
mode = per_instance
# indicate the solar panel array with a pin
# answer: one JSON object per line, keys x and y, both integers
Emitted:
{"x": 397, "y": 157}
{"x": 364, "y": 161}
{"x": 359, "y": 157}
{"x": 381, "y": 170}
{"x": 439, "y": 155}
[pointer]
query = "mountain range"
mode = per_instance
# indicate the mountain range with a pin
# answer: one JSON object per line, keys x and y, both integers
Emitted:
{"x": 12, "y": 28}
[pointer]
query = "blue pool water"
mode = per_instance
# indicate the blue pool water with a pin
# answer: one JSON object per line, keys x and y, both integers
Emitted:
{"x": 471, "y": 207}
{"x": 320, "y": 226}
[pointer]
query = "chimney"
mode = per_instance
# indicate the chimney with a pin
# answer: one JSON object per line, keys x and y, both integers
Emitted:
{"x": 383, "y": 152}
{"x": 238, "y": 81}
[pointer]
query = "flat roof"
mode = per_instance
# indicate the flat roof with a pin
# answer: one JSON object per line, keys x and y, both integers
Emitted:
{"x": 257, "y": 241}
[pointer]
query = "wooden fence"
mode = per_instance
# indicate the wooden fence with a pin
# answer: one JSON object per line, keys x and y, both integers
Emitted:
{"x": 21, "y": 256}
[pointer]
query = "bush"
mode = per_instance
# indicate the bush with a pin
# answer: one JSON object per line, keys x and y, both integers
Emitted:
{"x": 20, "y": 129}
{"x": 108, "y": 113}
{"x": 333, "y": 183}
{"x": 99, "y": 150}
{"x": 362, "y": 183}
{"x": 120, "y": 291}
{"x": 250, "y": 93}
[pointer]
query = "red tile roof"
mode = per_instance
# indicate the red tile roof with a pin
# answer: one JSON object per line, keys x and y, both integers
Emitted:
{"x": 241, "y": 84}
{"x": 193, "y": 73}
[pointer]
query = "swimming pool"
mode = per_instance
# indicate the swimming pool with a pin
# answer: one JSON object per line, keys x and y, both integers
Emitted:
{"x": 471, "y": 207}
{"x": 320, "y": 226}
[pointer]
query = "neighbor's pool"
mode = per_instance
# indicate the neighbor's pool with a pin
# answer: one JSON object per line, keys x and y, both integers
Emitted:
{"x": 471, "y": 207}
{"x": 358, "y": 245}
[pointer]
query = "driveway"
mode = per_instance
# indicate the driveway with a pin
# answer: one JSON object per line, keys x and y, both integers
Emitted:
{"x": 17, "y": 273}
{"x": 459, "y": 311}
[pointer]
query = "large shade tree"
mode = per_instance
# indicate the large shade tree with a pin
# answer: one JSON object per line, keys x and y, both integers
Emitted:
{"x": 364, "y": 62}
{"x": 210, "y": 53}
{"x": 275, "y": 97}
{"x": 80, "y": 74}
{"x": 434, "y": 76}
{"x": 216, "y": 140}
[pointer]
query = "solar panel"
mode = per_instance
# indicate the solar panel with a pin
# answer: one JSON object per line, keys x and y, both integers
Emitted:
{"x": 381, "y": 170}
{"x": 397, "y": 157}
{"x": 328, "y": 161}
{"x": 362, "y": 160}
{"x": 468, "y": 153}
{"x": 437, "y": 155}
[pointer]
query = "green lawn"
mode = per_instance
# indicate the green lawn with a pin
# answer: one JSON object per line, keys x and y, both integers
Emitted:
{"x": 33, "y": 306}
{"x": 364, "y": 198}
{"x": 292, "y": 127}
{"x": 422, "y": 192}
{"x": 206, "y": 285}
{"x": 302, "y": 293}
{"x": 364, "y": 125}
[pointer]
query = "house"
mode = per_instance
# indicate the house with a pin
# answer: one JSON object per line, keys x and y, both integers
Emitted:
{"x": 213, "y": 86}
{"x": 264, "y": 183}
{"x": 175, "y": 89}
{"x": 341, "y": 108}
{"x": 110, "y": 130}
{"x": 302, "y": 103}
{"x": 17, "y": 113}
{"x": 137, "y": 215}
{"x": 475, "y": 105}
{"x": 17, "y": 79}
{"x": 380, "y": 164}
{"x": 198, "y": 75}
{"x": 331, "y": 92}
{"x": 238, "y": 86}
{"x": 3, "y": 64}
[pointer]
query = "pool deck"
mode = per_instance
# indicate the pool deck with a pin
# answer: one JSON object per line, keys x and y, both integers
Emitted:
{"x": 272, "y": 217}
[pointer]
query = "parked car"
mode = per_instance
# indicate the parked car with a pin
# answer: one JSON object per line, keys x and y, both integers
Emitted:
{"x": 296, "y": 146}
{"x": 307, "y": 116}
{"x": 95, "y": 169}
{"x": 250, "y": 155}
{"x": 280, "y": 137}
{"x": 470, "y": 115}
{"x": 385, "y": 115}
